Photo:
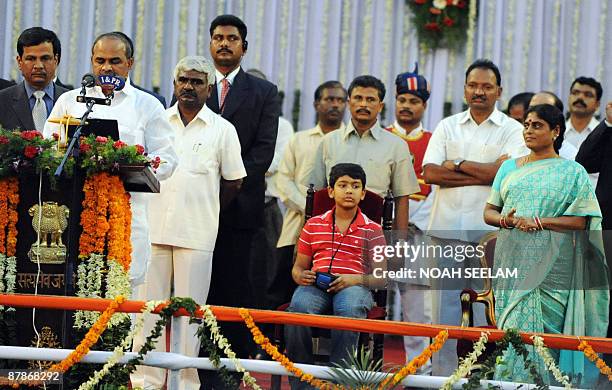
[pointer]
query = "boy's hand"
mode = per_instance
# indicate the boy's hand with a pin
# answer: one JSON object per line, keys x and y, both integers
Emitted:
{"x": 306, "y": 278}
{"x": 343, "y": 281}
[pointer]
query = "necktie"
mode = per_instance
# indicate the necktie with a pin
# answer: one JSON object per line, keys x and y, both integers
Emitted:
{"x": 224, "y": 90}
{"x": 39, "y": 112}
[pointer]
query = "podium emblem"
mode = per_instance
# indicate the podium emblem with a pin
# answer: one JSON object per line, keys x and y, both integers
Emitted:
{"x": 47, "y": 339}
{"x": 53, "y": 219}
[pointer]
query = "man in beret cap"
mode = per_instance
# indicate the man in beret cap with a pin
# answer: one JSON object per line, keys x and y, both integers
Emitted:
{"x": 411, "y": 95}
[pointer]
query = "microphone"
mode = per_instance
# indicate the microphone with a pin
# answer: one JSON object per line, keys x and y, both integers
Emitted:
{"x": 88, "y": 80}
{"x": 117, "y": 82}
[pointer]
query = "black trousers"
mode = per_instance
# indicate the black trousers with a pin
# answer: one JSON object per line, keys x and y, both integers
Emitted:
{"x": 230, "y": 286}
{"x": 282, "y": 286}
{"x": 263, "y": 264}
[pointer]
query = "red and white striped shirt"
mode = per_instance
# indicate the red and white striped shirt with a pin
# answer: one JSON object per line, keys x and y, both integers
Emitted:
{"x": 354, "y": 248}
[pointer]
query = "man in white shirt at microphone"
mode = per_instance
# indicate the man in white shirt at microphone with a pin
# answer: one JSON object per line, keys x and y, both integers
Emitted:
{"x": 141, "y": 120}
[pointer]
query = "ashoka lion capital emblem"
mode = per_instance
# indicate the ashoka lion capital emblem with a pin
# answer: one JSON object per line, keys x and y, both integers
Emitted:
{"x": 53, "y": 220}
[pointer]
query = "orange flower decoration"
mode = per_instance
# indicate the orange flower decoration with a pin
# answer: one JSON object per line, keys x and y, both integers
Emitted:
{"x": 3, "y": 213}
{"x": 90, "y": 339}
{"x": 412, "y": 367}
{"x": 590, "y": 353}
{"x": 272, "y": 350}
{"x": 13, "y": 202}
{"x": 106, "y": 219}
{"x": 9, "y": 199}
{"x": 119, "y": 246}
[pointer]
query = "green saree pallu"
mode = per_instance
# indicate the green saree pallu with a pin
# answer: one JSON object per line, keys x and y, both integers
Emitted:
{"x": 562, "y": 285}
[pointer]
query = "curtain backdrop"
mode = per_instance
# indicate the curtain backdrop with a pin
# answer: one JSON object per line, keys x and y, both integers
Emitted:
{"x": 538, "y": 44}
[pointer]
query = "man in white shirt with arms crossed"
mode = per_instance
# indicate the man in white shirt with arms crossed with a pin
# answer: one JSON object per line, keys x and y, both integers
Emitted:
{"x": 462, "y": 157}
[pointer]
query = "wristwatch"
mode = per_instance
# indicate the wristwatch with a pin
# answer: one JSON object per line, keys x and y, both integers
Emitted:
{"x": 457, "y": 162}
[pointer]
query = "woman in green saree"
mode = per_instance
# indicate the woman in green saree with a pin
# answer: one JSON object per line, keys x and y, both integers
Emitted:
{"x": 551, "y": 234}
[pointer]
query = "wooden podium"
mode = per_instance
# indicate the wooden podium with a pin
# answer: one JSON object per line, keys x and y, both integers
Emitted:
{"x": 49, "y": 267}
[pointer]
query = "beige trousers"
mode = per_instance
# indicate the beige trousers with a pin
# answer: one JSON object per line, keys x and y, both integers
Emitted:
{"x": 176, "y": 272}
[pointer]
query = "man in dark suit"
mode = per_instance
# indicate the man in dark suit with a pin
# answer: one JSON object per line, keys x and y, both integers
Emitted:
{"x": 27, "y": 105}
{"x": 595, "y": 154}
{"x": 130, "y": 45}
{"x": 6, "y": 83}
{"x": 252, "y": 105}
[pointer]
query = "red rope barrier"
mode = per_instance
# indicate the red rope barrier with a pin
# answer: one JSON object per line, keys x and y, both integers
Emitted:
{"x": 600, "y": 344}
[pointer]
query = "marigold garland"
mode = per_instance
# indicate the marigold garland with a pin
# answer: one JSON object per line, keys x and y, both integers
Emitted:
{"x": 119, "y": 247}
{"x": 412, "y": 367}
{"x": 590, "y": 353}
{"x": 3, "y": 213}
{"x": 13, "y": 202}
{"x": 272, "y": 350}
{"x": 87, "y": 241}
{"x": 90, "y": 339}
{"x": 119, "y": 350}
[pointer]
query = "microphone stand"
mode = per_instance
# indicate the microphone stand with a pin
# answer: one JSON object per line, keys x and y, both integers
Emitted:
{"x": 73, "y": 147}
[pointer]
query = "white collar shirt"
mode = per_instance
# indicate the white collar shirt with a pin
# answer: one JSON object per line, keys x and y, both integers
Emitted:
{"x": 186, "y": 212}
{"x": 384, "y": 157}
{"x": 577, "y": 138}
{"x": 220, "y": 76}
{"x": 413, "y": 133}
{"x": 141, "y": 121}
{"x": 457, "y": 212}
{"x": 285, "y": 132}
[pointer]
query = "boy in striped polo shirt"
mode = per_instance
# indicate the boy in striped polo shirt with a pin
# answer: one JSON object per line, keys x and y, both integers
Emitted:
{"x": 334, "y": 266}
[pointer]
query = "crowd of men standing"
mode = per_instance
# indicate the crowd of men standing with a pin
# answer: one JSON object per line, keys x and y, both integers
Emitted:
{"x": 220, "y": 144}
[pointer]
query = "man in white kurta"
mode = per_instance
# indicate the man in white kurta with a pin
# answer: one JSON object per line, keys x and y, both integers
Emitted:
{"x": 184, "y": 217}
{"x": 462, "y": 157}
{"x": 142, "y": 121}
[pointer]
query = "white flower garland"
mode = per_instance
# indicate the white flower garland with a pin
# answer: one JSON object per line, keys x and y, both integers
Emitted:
{"x": 549, "y": 361}
{"x": 75, "y": 9}
{"x": 117, "y": 283}
{"x": 575, "y": 32}
{"x": 467, "y": 364}
{"x": 211, "y": 321}
{"x": 490, "y": 29}
{"x": 119, "y": 350}
{"x": 387, "y": 38}
{"x": 10, "y": 273}
{"x": 89, "y": 285}
{"x": 406, "y": 36}
{"x": 258, "y": 38}
{"x": 450, "y": 80}
{"x": 526, "y": 45}
{"x": 183, "y": 27}
{"x": 552, "y": 73}
{"x": 120, "y": 10}
{"x": 284, "y": 21}
{"x": 299, "y": 62}
{"x": 323, "y": 41}
{"x": 366, "y": 38}
{"x": 602, "y": 36}
{"x": 469, "y": 44}
{"x": 16, "y": 31}
{"x": 138, "y": 37}
{"x": 345, "y": 39}
{"x": 159, "y": 38}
